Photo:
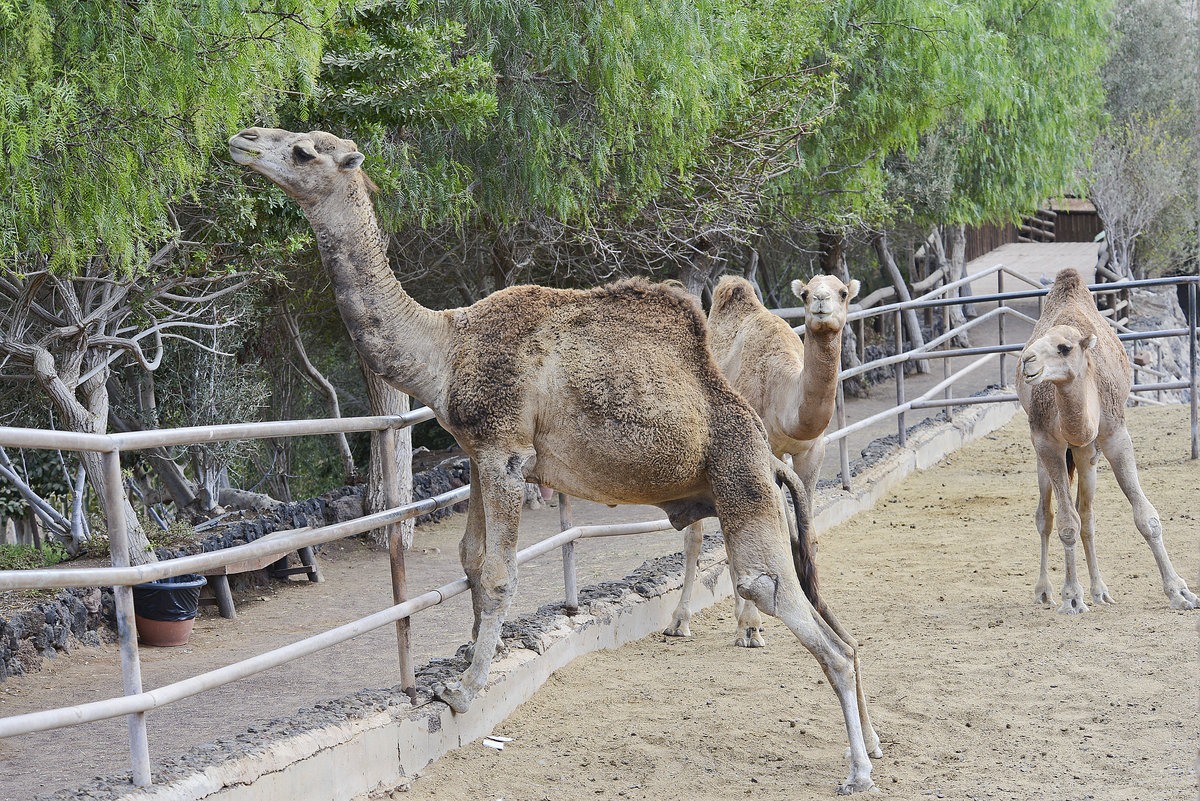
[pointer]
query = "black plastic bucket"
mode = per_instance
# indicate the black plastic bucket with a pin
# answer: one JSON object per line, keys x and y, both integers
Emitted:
{"x": 175, "y": 598}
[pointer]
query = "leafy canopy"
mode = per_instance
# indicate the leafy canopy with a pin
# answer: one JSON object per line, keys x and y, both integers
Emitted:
{"x": 109, "y": 111}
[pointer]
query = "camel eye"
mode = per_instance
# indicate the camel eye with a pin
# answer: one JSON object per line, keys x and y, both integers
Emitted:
{"x": 844, "y": 294}
{"x": 1064, "y": 349}
{"x": 301, "y": 154}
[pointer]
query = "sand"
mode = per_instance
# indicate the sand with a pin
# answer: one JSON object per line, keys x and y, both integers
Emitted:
{"x": 976, "y": 692}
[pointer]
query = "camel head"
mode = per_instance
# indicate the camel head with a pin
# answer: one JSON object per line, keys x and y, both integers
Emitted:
{"x": 1061, "y": 354}
{"x": 309, "y": 167}
{"x": 826, "y": 302}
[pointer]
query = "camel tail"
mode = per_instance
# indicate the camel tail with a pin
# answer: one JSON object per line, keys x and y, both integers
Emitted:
{"x": 1070, "y": 466}
{"x": 802, "y": 552}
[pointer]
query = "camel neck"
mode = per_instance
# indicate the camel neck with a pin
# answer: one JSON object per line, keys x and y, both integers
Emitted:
{"x": 398, "y": 338}
{"x": 818, "y": 383}
{"x": 1078, "y": 409}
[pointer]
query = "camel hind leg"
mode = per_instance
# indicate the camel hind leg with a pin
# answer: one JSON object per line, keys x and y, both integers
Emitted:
{"x": 1085, "y": 463}
{"x": 1043, "y": 591}
{"x": 693, "y": 542}
{"x": 1118, "y": 449}
{"x": 774, "y": 588}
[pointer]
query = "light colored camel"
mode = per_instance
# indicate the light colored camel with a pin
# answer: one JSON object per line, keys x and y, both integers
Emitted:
{"x": 791, "y": 384}
{"x": 609, "y": 394}
{"x": 1074, "y": 379}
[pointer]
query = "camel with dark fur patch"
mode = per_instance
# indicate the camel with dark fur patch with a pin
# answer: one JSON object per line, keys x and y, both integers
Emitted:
{"x": 609, "y": 394}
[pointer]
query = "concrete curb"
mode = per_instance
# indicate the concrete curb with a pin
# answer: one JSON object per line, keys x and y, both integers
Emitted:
{"x": 368, "y": 757}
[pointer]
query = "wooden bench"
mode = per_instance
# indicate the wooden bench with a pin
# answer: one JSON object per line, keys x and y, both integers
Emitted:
{"x": 218, "y": 577}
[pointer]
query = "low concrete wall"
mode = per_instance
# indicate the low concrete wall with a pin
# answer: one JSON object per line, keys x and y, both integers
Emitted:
{"x": 381, "y": 741}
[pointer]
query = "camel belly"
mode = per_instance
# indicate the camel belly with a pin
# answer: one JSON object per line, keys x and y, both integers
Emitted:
{"x": 618, "y": 476}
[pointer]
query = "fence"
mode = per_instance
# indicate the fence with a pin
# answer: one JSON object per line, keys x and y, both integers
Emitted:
{"x": 136, "y": 702}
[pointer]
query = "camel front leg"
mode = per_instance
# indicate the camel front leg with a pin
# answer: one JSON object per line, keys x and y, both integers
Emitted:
{"x": 1043, "y": 592}
{"x": 1052, "y": 456}
{"x": 1085, "y": 462}
{"x": 693, "y": 541}
{"x": 1118, "y": 449}
{"x": 501, "y": 492}
{"x": 471, "y": 548}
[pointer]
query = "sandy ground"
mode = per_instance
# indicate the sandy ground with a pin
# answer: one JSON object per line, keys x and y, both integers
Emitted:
{"x": 976, "y": 692}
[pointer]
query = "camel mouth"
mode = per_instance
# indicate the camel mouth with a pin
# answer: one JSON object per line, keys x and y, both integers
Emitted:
{"x": 1032, "y": 378}
{"x": 241, "y": 153}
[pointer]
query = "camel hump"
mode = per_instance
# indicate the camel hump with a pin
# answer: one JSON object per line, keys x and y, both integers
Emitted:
{"x": 733, "y": 291}
{"x": 1068, "y": 283}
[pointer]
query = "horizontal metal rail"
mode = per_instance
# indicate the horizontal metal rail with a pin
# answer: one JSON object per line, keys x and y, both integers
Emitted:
{"x": 46, "y": 578}
{"x": 197, "y": 435}
{"x": 176, "y": 691}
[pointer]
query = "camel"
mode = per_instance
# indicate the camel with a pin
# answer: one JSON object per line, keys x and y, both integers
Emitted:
{"x": 792, "y": 385}
{"x": 1075, "y": 379}
{"x": 609, "y": 394}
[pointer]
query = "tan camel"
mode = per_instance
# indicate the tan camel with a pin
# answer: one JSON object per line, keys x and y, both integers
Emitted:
{"x": 609, "y": 394}
{"x": 791, "y": 384}
{"x": 1075, "y": 378}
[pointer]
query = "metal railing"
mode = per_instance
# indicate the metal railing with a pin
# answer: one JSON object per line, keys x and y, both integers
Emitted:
{"x": 939, "y": 348}
{"x": 136, "y": 701}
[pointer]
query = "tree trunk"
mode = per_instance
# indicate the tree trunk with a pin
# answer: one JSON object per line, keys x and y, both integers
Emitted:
{"x": 177, "y": 485}
{"x": 958, "y": 266}
{"x": 386, "y": 399}
{"x": 698, "y": 273}
{"x": 327, "y": 388}
{"x": 957, "y": 318}
{"x": 911, "y": 324}
{"x": 92, "y": 418}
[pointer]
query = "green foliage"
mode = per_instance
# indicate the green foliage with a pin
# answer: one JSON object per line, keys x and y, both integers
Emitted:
{"x": 26, "y": 557}
{"x": 108, "y": 111}
{"x": 41, "y": 470}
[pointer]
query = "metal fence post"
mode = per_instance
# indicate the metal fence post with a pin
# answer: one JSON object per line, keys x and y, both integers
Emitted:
{"x": 843, "y": 445}
{"x": 1192, "y": 367}
{"x": 131, "y": 667}
{"x": 1000, "y": 319}
{"x": 900, "y": 430}
{"x": 570, "y": 584}
{"x": 946, "y": 362}
{"x": 391, "y": 484}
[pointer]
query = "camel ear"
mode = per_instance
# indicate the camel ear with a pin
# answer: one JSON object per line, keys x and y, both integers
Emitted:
{"x": 799, "y": 291}
{"x": 351, "y": 161}
{"x": 854, "y": 286}
{"x": 1088, "y": 342}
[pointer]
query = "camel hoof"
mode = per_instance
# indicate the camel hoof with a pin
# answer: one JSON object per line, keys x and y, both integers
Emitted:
{"x": 1073, "y": 606}
{"x": 1102, "y": 597}
{"x": 751, "y": 638}
{"x": 1042, "y": 597}
{"x": 1184, "y": 599}
{"x": 679, "y": 628}
{"x": 852, "y": 786}
{"x": 454, "y": 696}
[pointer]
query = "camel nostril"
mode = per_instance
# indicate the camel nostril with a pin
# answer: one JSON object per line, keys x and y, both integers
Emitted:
{"x": 248, "y": 133}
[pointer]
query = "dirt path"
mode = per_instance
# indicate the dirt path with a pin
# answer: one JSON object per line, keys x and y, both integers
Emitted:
{"x": 357, "y": 583}
{"x": 976, "y": 692}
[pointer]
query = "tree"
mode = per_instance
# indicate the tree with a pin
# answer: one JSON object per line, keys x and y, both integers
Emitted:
{"x": 108, "y": 113}
{"x": 1138, "y": 173}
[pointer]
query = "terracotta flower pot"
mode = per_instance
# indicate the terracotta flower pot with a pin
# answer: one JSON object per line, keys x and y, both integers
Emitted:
{"x": 165, "y": 610}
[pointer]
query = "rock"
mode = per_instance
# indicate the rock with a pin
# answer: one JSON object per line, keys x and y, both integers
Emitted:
{"x": 345, "y": 508}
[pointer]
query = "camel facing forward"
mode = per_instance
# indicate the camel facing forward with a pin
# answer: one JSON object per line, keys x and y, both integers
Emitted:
{"x": 791, "y": 384}
{"x": 1074, "y": 380}
{"x": 609, "y": 394}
